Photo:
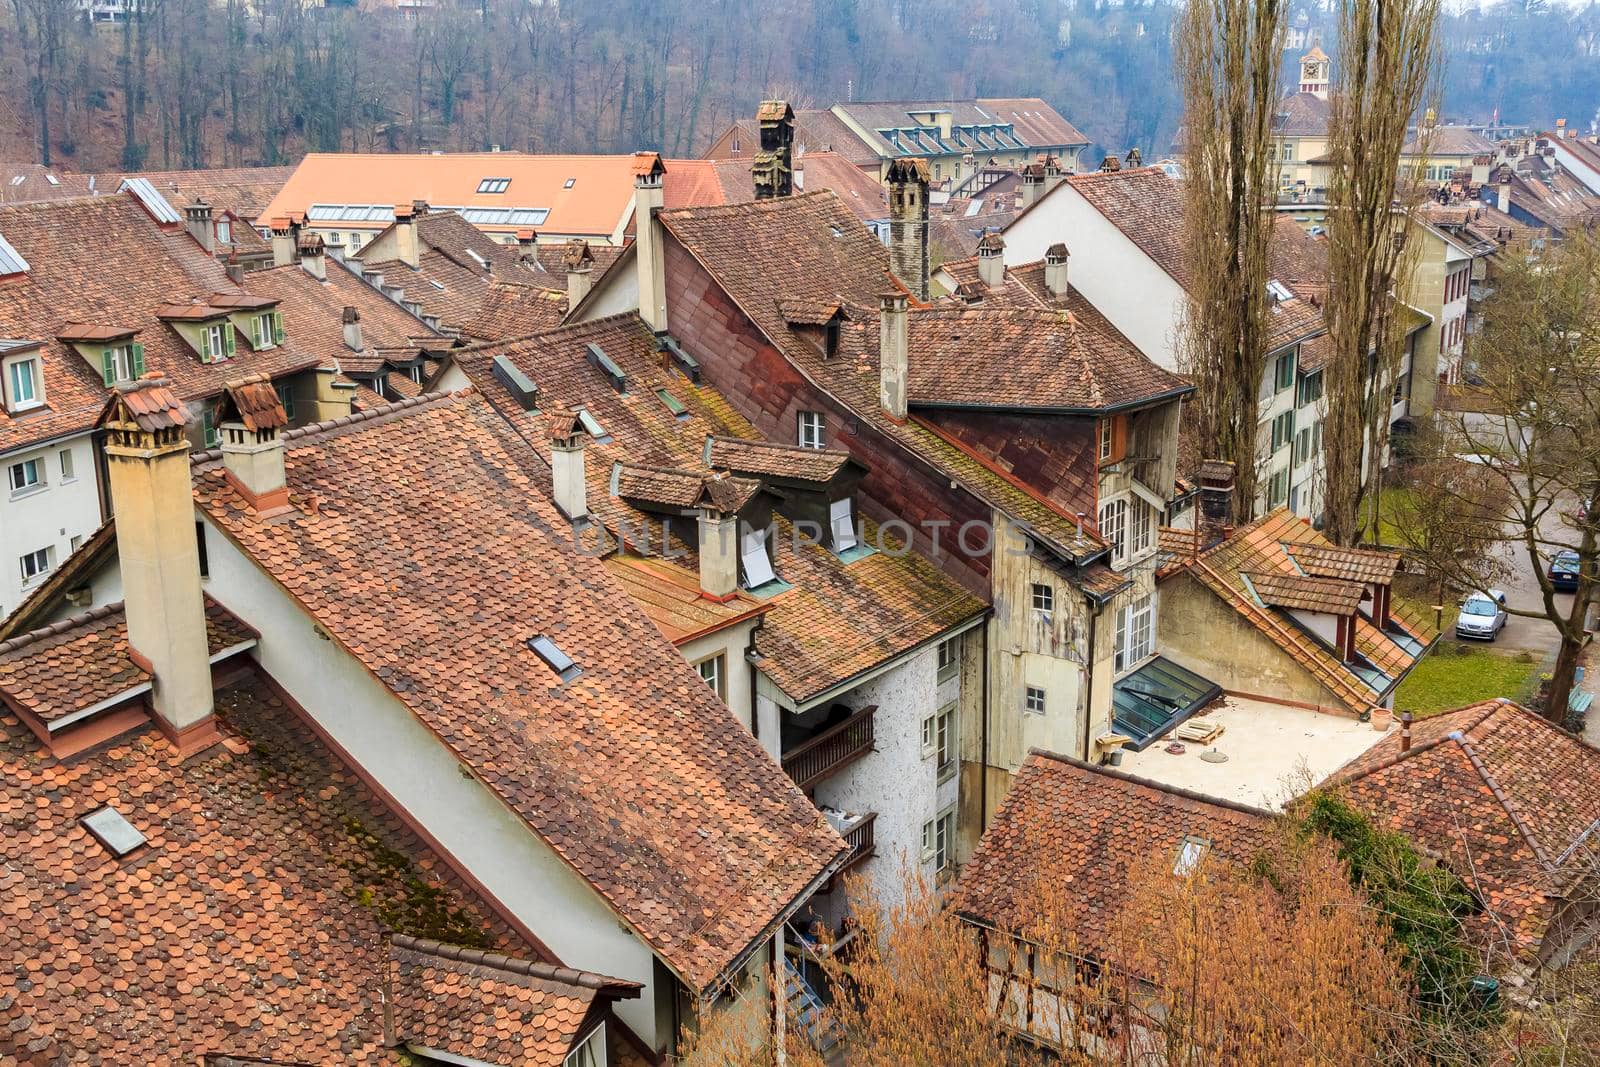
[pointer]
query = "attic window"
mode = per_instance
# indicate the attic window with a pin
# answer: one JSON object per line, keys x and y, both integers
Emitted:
{"x": 570, "y": 182}
{"x": 673, "y": 404}
{"x": 842, "y": 524}
{"x": 753, "y": 555}
{"x": 494, "y": 185}
{"x": 557, "y": 660}
{"x": 1190, "y": 853}
{"x": 113, "y": 831}
{"x": 837, "y": 232}
{"x": 476, "y": 258}
{"x": 11, "y": 261}
{"x": 436, "y": 283}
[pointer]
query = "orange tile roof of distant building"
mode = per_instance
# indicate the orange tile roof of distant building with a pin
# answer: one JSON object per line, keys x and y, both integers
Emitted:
{"x": 617, "y": 769}
{"x": 595, "y": 205}
{"x": 1508, "y": 800}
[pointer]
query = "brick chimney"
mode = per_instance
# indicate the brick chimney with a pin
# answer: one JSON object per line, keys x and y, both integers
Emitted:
{"x": 580, "y": 271}
{"x": 314, "y": 256}
{"x": 147, "y": 466}
{"x": 773, "y": 167}
{"x": 1055, "y": 271}
{"x": 648, "y": 197}
{"x": 719, "y": 553}
{"x": 908, "y": 223}
{"x": 197, "y": 220}
{"x": 894, "y": 342}
{"x": 408, "y": 247}
{"x": 1215, "y": 520}
{"x": 252, "y": 451}
{"x": 569, "y": 484}
{"x": 351, "y": 321}
{"x": 991, "y": 260}
{"x": 285, "y": 241}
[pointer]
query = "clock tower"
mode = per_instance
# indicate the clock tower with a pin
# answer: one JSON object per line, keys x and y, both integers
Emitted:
{"x": 1314, "y": 72}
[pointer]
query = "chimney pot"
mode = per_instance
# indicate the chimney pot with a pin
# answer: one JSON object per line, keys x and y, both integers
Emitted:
{"x": 648, "y": 243}
{"x": 1056, "y": 259}
{"x": 893, "y": 354}
{"x": 991, "y": 260}
{"x": 1216, "y": 500}
{"x": 314, "y": 256}
{"x": 197, "y": 220}
{"x": 908, "y": 223}
{"x": 567, "y": 474}
{"x": 1405, "y": 731}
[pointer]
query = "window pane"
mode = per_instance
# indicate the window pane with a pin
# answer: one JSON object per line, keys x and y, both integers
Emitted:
{"x": 842, "y": 524}
{"x": 753, "y": 554}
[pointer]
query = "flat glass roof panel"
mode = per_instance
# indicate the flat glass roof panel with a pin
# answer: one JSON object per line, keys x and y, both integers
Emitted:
{"x": 1148, "y": 702}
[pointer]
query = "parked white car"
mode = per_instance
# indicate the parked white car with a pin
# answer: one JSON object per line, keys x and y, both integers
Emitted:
{"x": 1483, "y": 616}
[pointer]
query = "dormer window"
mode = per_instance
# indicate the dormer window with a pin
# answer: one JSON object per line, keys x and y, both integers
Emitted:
{"x": 224, "y": 232}
{"x": 268, "y": 329}
{"x": 24, "y": 384}
{"x": 753, "y": 558}
{"x": 216, "y": 342}
{"x": 494, "y": 185}
{"x": 122, "y": 363}
{"x": 841, "y": 524}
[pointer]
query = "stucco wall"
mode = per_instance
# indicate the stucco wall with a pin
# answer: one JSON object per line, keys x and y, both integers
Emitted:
{"x": 430, "y": 784}
{"x": 48, "y": 516}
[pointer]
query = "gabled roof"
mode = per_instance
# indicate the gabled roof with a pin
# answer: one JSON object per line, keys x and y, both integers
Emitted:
{"x": 1304, "y": 593}
{"x": 1302, "y": 115}
{"x": 1267, "y": 547}
{"x": 102, "y": 261}
{"x": 1087, "y": 827}
{"x": 313, "y": 314}
{"x": 1374, "y": 565}
{"x": 1510, "y": 802}
{"x": 1449, "y": 141}
{"x": 513, "y": 309}
{"x": 1025, "y": 121}
{"x": 600, "y": 196}
{"x": 815, "y": 130}
{"x": 245, "y": 191}
{"x": 838, "y": 619}
{"x": 811, "y": 247}
{"x": 617, "y": 770}
{"x": 260, "y": 855}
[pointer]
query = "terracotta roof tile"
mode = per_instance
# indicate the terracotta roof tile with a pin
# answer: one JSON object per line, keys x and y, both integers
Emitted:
{"x": 244, "y": 191}
{"x": 1088, "y": 826}
{"x": 254, "y": 402}
{"x": 513, "y": 310}
{"x": 1508, "y": 800}
{"x": 670, "y": 596}
{"x": 255, "y": 921}
{"x": 768, "y": 459}
{"x": 1351, "y": 564}
{"x": 313, "y": 314}
{"x": 1302, "y": 592}
{"x": 150, "y": 402}
{"x": 632, "y": 771}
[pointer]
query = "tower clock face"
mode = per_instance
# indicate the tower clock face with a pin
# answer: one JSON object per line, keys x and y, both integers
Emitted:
{"x": 1309, "y": 72}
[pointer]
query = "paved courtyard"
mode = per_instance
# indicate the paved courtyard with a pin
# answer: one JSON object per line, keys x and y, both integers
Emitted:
{"x": 1274, "y": 753}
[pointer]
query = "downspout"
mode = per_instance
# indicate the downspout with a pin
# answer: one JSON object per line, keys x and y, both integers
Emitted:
{"x": 1088, "y": 691}
{"x": 752, "y": 657}
{"x": 983, "y": 769}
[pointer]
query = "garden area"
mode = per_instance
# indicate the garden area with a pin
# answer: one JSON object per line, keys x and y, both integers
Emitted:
{"x": 1456, "y": 674}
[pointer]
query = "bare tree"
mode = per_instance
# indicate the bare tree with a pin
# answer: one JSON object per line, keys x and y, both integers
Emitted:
{"x": 1388, "y": 69}
{"x": 1230, "y": 53}
{"x": 1535, "y": 436}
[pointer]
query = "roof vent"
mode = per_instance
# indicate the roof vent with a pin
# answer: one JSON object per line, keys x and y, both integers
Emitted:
{"x": 557, "y": 660}
{"x": 606, "y": 366}
{"x": 519, "y": 385}
{"x": 113, "y": 831}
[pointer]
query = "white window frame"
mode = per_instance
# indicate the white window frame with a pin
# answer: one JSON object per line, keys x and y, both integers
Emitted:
{"x": 1135, "y": 634}
{"x": 39, "y": 562}
{"x": 224, "y": 231}
{"x": 1042, "y": 597}
{"x": 1035, "y": 700}
{"x": 938, "y": 840}
{"x": 930, "y": 736}
{"x": 1107, "y": 438}
{"x": 945, "y": 740}
{"x": 810, "y": 429}
{"x": 1113, "y": 520}
{"x": 753, "y": 559}
{"x": 714, "y": 672}
{"x": 264, "y": 331}
{"x": 35, "y": 398}
{"x": 842, "y": 525}
{"x": 20, "y": 485}
{"x": 590, "y": 1052}
{"x": 949, "y": 659}
{"x": 1141, "y": 527}
{"x": 217, "y": 340}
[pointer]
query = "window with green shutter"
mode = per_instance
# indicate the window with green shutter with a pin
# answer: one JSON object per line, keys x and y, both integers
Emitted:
{"x": 208, "y": 427}
{"x": 227, "y": 338}
{"x": 205, "y": 345}
{"x": 138, "y": 360}
{"x": 277, "y": 327}
{"x": 108, "y": 366}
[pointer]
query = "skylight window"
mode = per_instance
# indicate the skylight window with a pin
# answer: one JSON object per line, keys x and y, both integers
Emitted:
{"x": 591, "y": 425}
{"x": 11, "y": 261}
{"x": 570, "y": 182}
{"x": 113, "y": 831}
{"x": 842, "y": 525}
{"x": 479, "y": 260}
{"x": 494, "y": 185}
{"x": 673, "y": 404}
{"x": 557, "y": 660}
{"x": 1190, "y": 853}
{"x": 753, "y": 555}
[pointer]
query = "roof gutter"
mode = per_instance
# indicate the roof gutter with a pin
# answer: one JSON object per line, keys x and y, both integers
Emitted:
{"x": 1109, "y": 409}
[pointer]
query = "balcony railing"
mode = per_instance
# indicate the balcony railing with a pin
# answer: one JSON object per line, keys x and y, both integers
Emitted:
{"x": 832, "y": 750}
{"x": 859, "y": 839}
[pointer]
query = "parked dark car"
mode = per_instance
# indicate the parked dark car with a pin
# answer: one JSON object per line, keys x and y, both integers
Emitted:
{"x": 1564, "y": 571}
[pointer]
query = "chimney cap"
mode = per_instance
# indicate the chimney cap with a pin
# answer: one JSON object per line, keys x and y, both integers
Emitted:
{"x": 149, "y": 402}
{"x": 253, "y": 401}
{"x": 892, "y": 301}
{"x": 774, "y": 111}
{"x": 1056, "y": 253}
{"x": 312, "y": 244}
{"x": 1110, "y": 164}
{"x": 991, "y": 244}
{"x": 647, "y": 167}
{"x": 904, "y": 170}
{"x": 566, "y": 427}
{"x": 577, "y": 256}
{"x": 350, "y": 315}
{"x": 1216, "y": 474}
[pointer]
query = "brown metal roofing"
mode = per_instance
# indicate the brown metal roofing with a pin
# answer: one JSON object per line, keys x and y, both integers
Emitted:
{"x": 82, "y": 331}
{"x": 618, "y": 770}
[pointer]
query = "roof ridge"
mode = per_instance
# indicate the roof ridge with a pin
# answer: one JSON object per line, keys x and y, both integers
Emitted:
{"x": 510, "y": 964}
{"x": 313, "y": 430}
{"x": 479, "y": 346}
{"x": 60, "y": 626}
{"x": 773, "y": 203}
{"x": 1134, "y": 779}
{"x": 776, "y": 445}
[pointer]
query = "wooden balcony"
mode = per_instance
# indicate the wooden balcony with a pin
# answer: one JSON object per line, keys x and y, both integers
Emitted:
{"x": 832, "y": 750}
{"x": 859, "y": 838}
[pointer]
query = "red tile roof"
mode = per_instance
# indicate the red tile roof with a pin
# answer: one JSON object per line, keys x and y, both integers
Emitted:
{"x": 313, "y": 314}
{"x": 1305, "y": 593}
{"x": 670, "y": 596}
{"x": 245, "y": 191}
{"x": 254, "y": 923}
{"x": 1508, "y": 800}
{"x": 768, "y": 459}
{"x": 620, "y": 770}
{"x": 255, "y": 403}
{"x": 1377, "y": 566}
{"x": 1085, "y": 828}
{"x": 815, "y": 130}
{"x": 513, "y": 310}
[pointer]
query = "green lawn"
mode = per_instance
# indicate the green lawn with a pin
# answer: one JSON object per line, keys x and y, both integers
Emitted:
{"x": 1394, "y": 499}
{"x": 1445, "y": 679}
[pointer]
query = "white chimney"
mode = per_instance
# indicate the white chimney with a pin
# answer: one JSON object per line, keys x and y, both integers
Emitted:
{"x": 1503, "y": 194}
{"x": 285, "y": 242}
{"x": 252, "y": 452}
{"x": 719, "y": 554}
{"x": 567, "y": 475}
{"x": 893, "y": 354}
{"x": 991, "y": 261}
{"x": 580, "y": 271}
{"x": 409, "y": 250}
{"x": 352, "y": 330}
{"x": 1055, "y": 271}
{"x": 648, "y": 198}
{"x": 197, "y": 219}
{"x": 314, "y": 256}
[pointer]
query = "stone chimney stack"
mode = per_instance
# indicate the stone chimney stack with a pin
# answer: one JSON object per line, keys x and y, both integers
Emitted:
{"x": 719, "y": 552}
{"x": 991, "y": 260}
{"x": 908, "y": 223}
{"x": 569, "y": 483}
{"x": 408, "y": 247}
{"x": 351, "y": 320}
{"x": 1032, "y": 186}
{"x": 1055, "y": 271}
{"x": 197, "y": 220}
{"x": 1054, "y": 175}
{"x": 285, "y": 241}
{"x": 580, "y": 271}
{"x": 147, "y": 466}
{"x": 773, "y": 167}
{"x": 252, "y": 452}
{"x": 1502, "y": 191}
{"x": 1215, "y": 521}
{"x": 894, "y": 344}
{"x": 648, "y": 198}
{"x": 1110, "y": 165}
{"x": 314, "y": 256}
